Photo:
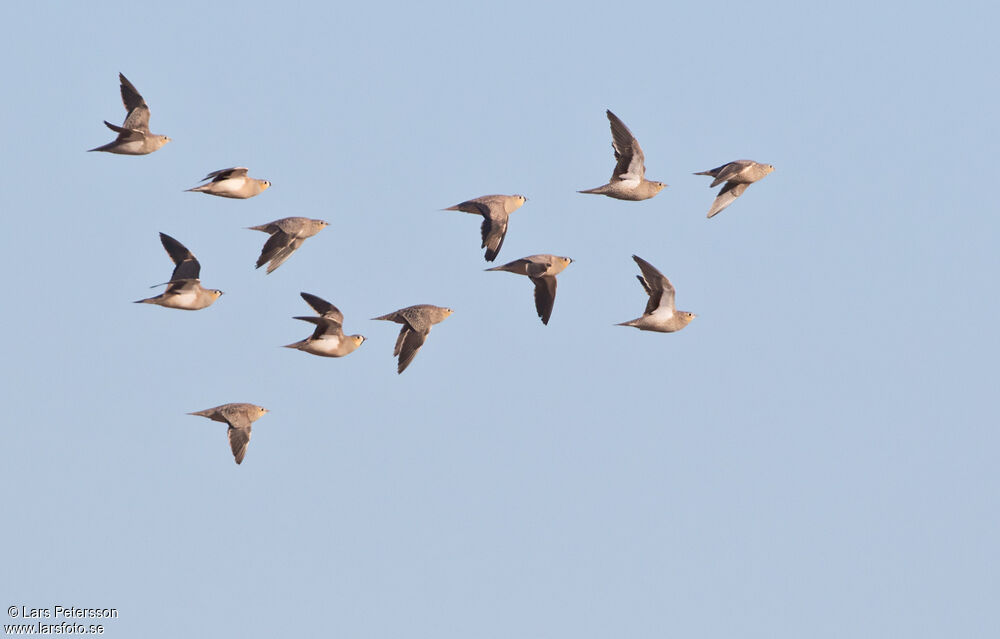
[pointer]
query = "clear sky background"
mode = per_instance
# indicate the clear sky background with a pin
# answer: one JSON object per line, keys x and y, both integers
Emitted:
{"x": 814, "y": 456}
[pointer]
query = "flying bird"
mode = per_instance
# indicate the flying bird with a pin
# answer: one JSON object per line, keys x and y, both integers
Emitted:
{"x": 628, "y": 181}
{"x": 134, "y": 137}
{"x": 232, "y": 183}
{"x": 417, "y": 321}
{"x": 184, "y": 290}
{"x": 542, "y": 270}
{"x": 495, "y": 209}
{"x": 328, "y": 340}
{"x": 660, "y": 315}
{"x": 738, "y": 176}
{"x": 287, "y": 234}
{"x": 240, "y": 417}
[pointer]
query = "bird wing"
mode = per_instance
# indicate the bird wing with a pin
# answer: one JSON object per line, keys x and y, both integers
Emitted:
{"x": 278, "y": 248}
{"x": 125, "y": 134}
{"x": 537, "y": 265}
{"x": 416, "y": 318}
{"x": 225, "y": 174}
{"x": 324, "y": 308}
{"x": 176, "y": 287}
{"x": 494, "y": 231}
{"x": 630, "y": 159}
{"x": 324, "y": 326}
{"x": 135, "y": 105}
{"x": 727, "y": 172}
{"x": 726, "y": 196}
{"x": 239, "y": 429}
{"x": 659, "y": 288}
{"x": 239, "y": 439}
{"x": 187, "y": 267}
{"x": 407, "y": 345}
{"x": 479, "y": 206}
{"x": 545, "y": 296}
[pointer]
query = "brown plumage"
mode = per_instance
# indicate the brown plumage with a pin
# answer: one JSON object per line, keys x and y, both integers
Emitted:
{"x": 738, "y": 176}
{"x": 417, "y": 321}
{"x": 628, "y": 180}
{"x": 541, "y": 270}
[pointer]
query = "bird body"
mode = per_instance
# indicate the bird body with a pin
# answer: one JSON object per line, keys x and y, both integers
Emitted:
{"x": 134, "y": 137}
{"x": 660, "y": 315}
{"x": 738, "y": 176}
{"x": 186, "y": 296}
{"x": 496, "y": 210}
{"x": 239, "y": 417}
{"x": 417, "y": 321}
{"x": 232, "y": 183}
{"x": 287, "y": 235}
{"x": 328, "y": 340}
{"x": 542, "y": 270}
{"x": 628, "y": 180}
{"x": 184, "y": 290}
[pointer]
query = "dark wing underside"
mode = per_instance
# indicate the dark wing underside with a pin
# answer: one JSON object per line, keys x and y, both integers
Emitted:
{"x": 407, "y": 345}
{"x": 545, "y": 296}
{"x": 187, "y": 267}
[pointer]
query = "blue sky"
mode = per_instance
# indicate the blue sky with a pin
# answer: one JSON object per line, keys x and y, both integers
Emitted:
{"x": 814, "y": 455}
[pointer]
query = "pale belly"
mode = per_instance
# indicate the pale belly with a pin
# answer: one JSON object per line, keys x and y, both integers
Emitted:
{"x": 324, "y": 347}
{"x": 185, "y": 301}
{"x": 230, "y": 187}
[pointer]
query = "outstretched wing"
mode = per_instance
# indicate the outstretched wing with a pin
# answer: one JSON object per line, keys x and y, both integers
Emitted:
{"x": 494, "y": 231}
{"x": 545, "y": 296}
{"x": 631, "y": 161}
{"x": 135, "y": 105}
{"x": 659, "y": 288}
{"x": 726, "y": 196}
{"x": 407, "y": 345}
{"x": 278, "y": 248}
{"x": 187, "y": 267}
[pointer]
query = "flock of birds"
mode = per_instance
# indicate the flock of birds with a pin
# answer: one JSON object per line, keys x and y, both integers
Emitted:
{"x": 184, "y": 290}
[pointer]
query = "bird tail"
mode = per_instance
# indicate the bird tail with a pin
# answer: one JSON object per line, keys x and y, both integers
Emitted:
{"x": 598, "y": 191}
{"x": 203, "y": 413}
{"x": 197, "y": 189}
{"x": 297, "y": 345}
{"x": 628, "y": 323}
{"x": 148, "y": 300}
